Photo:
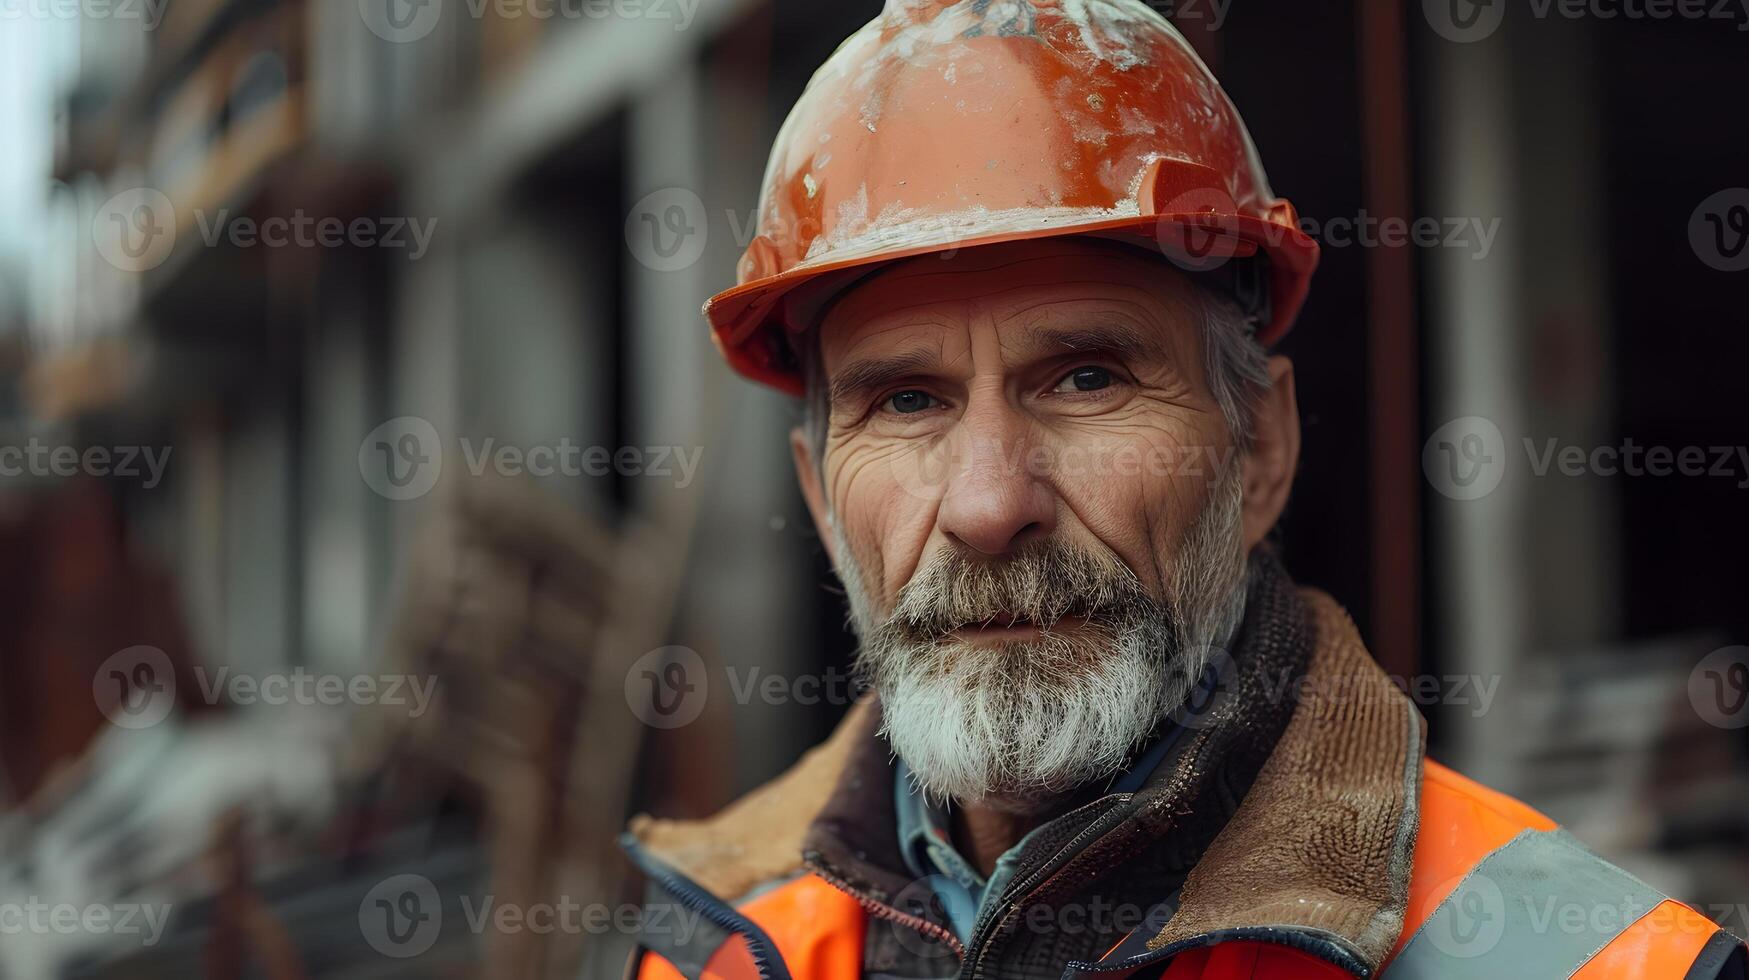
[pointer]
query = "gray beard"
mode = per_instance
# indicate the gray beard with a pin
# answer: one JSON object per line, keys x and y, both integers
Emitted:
{"x": 1020, "y": 725}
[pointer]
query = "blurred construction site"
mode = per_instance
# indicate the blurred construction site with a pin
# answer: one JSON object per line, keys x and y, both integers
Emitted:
{"x": 366, "y": 468}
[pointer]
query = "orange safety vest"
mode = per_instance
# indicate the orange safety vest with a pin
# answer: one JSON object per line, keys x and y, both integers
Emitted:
{"x": 817, "y": 929}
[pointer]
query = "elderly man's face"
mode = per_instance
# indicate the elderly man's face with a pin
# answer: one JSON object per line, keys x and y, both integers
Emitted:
{"x": 1036, "y": 504}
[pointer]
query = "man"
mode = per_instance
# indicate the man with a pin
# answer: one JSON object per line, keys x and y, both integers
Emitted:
{"x": 1023, "y": 265}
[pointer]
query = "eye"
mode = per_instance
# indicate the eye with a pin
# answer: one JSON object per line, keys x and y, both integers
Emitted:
{"x": 1084, "y": 379}
{"x": 910, "y": 402}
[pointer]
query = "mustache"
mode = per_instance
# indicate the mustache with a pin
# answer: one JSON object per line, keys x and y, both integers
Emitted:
{"x": 1042, "y": 582}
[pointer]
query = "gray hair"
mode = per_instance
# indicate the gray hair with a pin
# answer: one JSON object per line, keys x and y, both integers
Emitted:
{"x": 1236, "y": 365}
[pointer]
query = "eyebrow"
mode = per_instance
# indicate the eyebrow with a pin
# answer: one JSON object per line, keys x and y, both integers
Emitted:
{"x": 1117, "y": 339}
{"x": 864, "y": 376}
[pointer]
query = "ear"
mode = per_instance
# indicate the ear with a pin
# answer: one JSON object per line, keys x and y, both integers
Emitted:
{"x": 808, "y": 478}
{"x": 1274, "y": 455}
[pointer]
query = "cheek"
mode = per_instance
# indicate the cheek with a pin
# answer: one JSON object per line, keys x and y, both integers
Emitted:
{"x": 885, "y": 502}
{"x": 1139, "y": 488}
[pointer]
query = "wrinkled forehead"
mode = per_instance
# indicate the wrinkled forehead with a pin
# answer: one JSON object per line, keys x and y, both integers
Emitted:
{"x": 1037, "y": 282}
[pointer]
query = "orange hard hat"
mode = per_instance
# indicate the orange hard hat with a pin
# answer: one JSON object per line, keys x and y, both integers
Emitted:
{"x": 945, "y": 125}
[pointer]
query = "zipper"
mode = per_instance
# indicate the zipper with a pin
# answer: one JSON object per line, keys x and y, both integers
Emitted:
{"x": 1009, "y": 906}
{"x": 881, "y": 910}
{"x": 1099, "y": 827}
{"x": 720, "y": 913}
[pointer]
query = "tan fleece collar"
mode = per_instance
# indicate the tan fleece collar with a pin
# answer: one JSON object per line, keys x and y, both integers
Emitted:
{"x": 1323, "y": 839}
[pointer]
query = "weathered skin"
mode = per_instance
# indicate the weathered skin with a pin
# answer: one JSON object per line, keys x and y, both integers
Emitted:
{"x": 1007, "y": 450}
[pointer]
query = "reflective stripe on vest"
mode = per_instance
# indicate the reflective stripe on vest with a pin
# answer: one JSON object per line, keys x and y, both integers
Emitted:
{"x": 1539, "y": 906}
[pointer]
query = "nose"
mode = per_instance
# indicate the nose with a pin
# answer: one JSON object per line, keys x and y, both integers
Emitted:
{"x": 994, "y": 502}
